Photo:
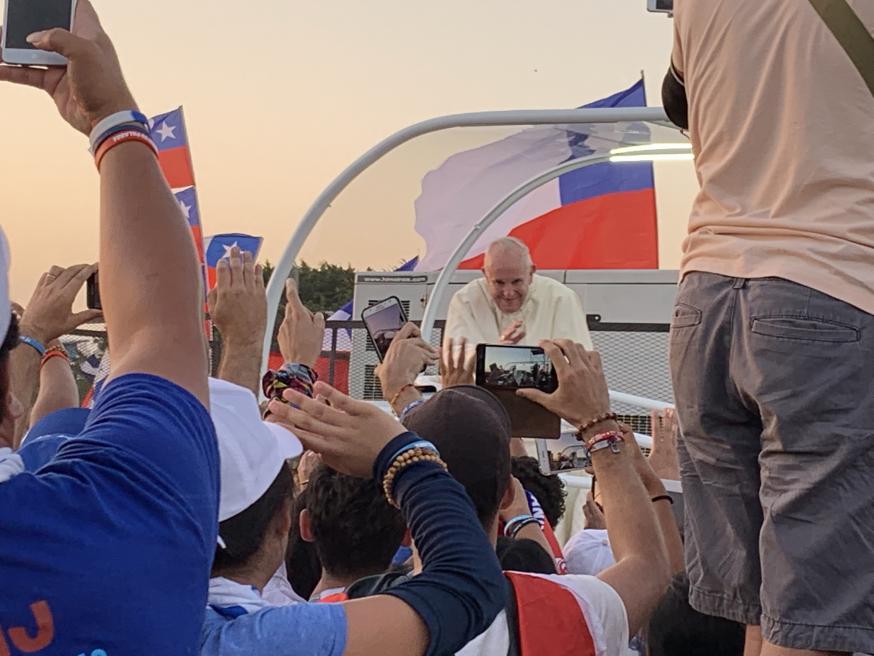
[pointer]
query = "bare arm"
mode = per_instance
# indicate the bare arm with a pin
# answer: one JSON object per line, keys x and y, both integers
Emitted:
{"x": 641, "y": 573}
{"x": 57, "y": 389}
{"x": 405, "y": 358}
{"x": 48, "y": 316}
{"x": 238, "y": 306}
{"x": 151, "y": 283}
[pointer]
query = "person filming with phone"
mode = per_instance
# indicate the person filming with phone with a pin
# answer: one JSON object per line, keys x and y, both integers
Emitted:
{"x": 512, "y": 305}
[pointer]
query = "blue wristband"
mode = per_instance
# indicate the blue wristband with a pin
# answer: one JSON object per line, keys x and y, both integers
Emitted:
{"x": 127, "y": 117}
{"x": 508, "y": 527}
{"x": 35, "y": 344}
{"x": 412, "y": 406}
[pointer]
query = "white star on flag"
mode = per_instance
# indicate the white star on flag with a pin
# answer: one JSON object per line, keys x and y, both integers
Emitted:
{"x": 166, "y": 131}
{"x": 228, "y": 249}
{"x": 186, "y": 209}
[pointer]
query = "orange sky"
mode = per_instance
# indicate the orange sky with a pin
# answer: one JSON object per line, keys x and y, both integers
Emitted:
{"x": 281, "y": 95}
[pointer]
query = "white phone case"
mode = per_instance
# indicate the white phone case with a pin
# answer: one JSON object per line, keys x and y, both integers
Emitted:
{"x": 33, "y": 57}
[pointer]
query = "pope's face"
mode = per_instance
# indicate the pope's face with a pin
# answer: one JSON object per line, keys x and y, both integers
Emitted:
{"x": 509, "y": 278}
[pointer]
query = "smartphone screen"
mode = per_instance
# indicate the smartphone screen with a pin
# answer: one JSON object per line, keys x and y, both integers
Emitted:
{"x": 92, "y": 292}
{"x": 24, "y": 17}
{"x": 503, "y": 370}
{"x": 516, "y": 367}
{"x": 383, "y": 321}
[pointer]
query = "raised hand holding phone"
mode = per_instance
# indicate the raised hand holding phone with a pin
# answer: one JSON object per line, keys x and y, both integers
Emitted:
{"x": 582, "y": 392}
{"x": 91, "y": 86}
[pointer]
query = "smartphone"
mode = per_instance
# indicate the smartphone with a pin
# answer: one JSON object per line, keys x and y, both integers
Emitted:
{"x": 92, "y": 292}
{"x": 661, "y": 6}
{"x": 383, "y": 321}
{"x": 562, "y": 456}
{"x": 503, "y": 370}
{"x": 24, "y": 17}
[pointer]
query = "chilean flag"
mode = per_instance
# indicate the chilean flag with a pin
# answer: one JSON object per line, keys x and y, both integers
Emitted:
{"x": 220, "y": 246}
{"x": 187, "y": 199}
{"x": 170, "y": 136}
{"x": 599, "y": 217}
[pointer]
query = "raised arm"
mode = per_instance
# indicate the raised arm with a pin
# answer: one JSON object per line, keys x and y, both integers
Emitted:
{"x": 641, "y": 573}
{"x": 461, "y": 588}
{"x": 238, "y": 307}
{"x": 150, "y": 282}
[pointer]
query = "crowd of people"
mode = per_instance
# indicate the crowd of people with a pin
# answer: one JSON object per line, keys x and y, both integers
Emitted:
{"x": 176, "y": 515}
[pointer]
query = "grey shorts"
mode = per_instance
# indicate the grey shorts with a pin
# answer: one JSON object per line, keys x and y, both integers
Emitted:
{"x": 774, "y": 384}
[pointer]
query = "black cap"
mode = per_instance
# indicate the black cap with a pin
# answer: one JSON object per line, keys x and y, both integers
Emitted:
{"x": 471, "y": 429}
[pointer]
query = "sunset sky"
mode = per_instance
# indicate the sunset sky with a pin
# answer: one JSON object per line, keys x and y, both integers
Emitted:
{"x": 281, "y": 95}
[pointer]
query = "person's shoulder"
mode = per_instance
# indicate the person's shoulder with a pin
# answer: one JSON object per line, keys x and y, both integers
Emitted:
{"x": 494, "y": 640}
{"x": 299, "y": 629}
{"x": 552, "y": 286}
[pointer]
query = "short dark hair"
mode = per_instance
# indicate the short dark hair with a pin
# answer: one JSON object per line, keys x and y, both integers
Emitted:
{"x": 549, "y": 490}
{"x": 524, "y": 555}
{"x": 10, "y": 341}
{"x": 471, "y": 429}
{"x": 356, "y": 531}
{"x": 243, "y": 533}
{"x": 677, "y": 628}
{"x": 302, "y": 564}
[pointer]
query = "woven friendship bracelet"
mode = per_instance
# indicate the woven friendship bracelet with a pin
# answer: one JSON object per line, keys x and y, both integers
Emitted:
{"x": 610, "y": 440}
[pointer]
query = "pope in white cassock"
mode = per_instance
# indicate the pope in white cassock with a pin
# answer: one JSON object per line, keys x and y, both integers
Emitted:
{"x": 511, "y": 304}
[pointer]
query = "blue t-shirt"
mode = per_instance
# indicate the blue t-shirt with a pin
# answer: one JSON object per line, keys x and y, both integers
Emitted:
{"x": 297, "y": 630}
{"x": 107, "y": 549}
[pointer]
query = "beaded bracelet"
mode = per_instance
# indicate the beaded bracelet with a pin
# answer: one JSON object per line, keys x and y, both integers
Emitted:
{"x": 406, "y": 459}
{"x": 609, "y": 416}
{"x": 395, "y": 398}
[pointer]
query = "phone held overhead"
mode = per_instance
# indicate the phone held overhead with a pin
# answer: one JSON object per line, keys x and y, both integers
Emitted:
{"x": 383, "y": 321}
{"x": 503, "y": 370}
{"x": 24, "y": 17}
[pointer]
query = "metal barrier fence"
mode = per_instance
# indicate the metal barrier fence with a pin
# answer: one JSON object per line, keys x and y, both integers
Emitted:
{"x": 635, "y": 360}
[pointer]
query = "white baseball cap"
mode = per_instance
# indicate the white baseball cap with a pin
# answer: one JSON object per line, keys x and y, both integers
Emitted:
{"x": 5, "y": 304}
{"x": 252, "y": 451}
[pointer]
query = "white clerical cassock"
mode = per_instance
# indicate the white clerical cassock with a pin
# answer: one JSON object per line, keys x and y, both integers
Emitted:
{"x": 551, "y": 311}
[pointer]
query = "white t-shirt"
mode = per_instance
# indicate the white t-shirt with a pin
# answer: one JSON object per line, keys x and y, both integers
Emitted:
{"x": 782, "y": 125}
{"x": 551, "y": 311}
{"x": 599, "y": 603}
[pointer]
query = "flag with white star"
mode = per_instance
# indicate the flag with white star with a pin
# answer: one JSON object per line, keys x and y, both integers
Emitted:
{"x": 187, "y": 199}
{"x": 220, "y": 246}
{"x": 170, "y": 136}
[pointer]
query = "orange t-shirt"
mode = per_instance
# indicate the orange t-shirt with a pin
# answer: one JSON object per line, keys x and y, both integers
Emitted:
{"x": 782, "y": 125}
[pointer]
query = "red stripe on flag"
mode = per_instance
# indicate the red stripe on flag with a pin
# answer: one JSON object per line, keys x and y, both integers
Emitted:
{"x": 197, "y": 235}
{"x": 551, "y": 622}
{"x": 615, "y": 231}
{"x": 177, "y": 168}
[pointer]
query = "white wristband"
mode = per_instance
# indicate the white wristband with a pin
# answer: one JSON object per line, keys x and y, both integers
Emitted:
{"x": 113, "y": 121}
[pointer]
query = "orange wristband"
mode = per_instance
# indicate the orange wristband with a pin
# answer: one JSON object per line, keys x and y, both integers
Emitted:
{"x": 120, "y": 138}
{"x": 54, "y": 353}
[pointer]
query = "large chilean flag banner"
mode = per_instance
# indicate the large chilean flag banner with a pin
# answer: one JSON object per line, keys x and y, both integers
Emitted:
{"x": 599, "y": 217}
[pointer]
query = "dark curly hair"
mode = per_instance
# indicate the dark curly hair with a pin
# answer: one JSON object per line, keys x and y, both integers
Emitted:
{"x": 356, "y": 532}
{"x": 549, "y": 490}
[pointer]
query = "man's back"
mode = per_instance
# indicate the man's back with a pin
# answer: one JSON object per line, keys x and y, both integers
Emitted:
{"x": 781, "y": 121}
{"x": 109, "y": 545}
